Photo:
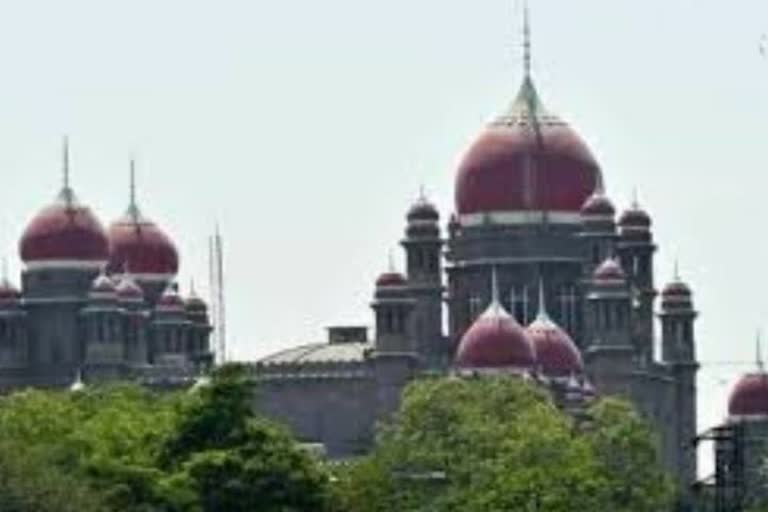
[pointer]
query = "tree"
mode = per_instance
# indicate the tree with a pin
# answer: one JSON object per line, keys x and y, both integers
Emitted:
{"x": 484, "y": 444}
{"x": 221, "y": 456}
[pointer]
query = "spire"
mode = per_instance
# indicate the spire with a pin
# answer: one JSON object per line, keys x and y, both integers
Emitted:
{"x": 133, "y": 208}
{"x": 526, "y": 41}
{"x": 635, "y": 200}
{"x": 494, "y": 286}
{"x": 391, "y": 262}
{"x": 759, "y": 353}
{"x": 676, "y": 277}
{"x": 542, "y": 315}
{"x": 5, "y": 270}
{"x": 66, "y": 191}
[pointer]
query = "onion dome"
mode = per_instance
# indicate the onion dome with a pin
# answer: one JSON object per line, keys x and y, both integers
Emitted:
{"x": 749, "y": 398}
{"x": 598, "y": 205}
{"x": 526, "y": 160}
{"x": 609, "y": 271}
{"x": 102, "y": 287}
{"x": 556, "y": 353}
{"x": 64, "y": 233}
{"x": 423, "y": 210}
{"x": 170, "y": 300}
{"x": 195, "y": 304}
{"x": 635, "y": 218}
{"x": 495, "y": 341}
{"x": 128, "y": 289}
{"x": 677, "y": 296}
{"x": 390, "y": 279}
{"x": 138, "y": 245}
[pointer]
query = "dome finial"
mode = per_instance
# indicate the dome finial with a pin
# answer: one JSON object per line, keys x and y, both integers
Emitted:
{"x": 390, "y": 261}
{"x": 65, "y": 161}
{"x": 494, "y": 286}
{"x": 635, "y": 200}
{"x": 677, "y": 270}
{"x": 526, "y": 40}
{"x": 542, "y": 314}
{"x": 759, "y": 352}
{"x": 66, "y": 192}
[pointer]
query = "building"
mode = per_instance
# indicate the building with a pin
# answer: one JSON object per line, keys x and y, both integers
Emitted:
{"x": 98, "y": 303}
{"x": 573, "y": 304}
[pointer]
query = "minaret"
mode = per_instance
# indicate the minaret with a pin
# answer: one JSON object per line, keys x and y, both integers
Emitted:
{"x": 423, "y": 246}
{"x": 678, "y": 342}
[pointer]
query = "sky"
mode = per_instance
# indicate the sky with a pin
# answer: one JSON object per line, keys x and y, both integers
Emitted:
{"x": 305, "y": 129}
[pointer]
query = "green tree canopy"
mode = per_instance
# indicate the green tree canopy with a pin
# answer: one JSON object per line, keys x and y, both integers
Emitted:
{"x": 501, "y": 444}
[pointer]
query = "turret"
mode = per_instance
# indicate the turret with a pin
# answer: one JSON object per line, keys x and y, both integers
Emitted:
{"x": 677, "y": 323}
{"x": 610, "y": 351}
{"x": 598, "y": 229}
{"x": 102, "y": 326}
{"x": 678, "y": 344}
{"x": 198, "y": 345}
{"x": 130, "y": 296}
{"x": 392, "y": 305}
{"x": 170, "y": 329}
{"x": 423, "y": 246}
{"x": 13, "y": 332}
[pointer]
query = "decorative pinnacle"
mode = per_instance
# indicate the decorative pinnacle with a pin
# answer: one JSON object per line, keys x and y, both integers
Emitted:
{"x": 391, "y": 261}
{"x": 542, "y": 315}
{"x": 526, "y": 40}
{"x": 5, "y": 269}
{"x": 133, "y": 183}
{"x": 494, "y": 285}
{"x": 677, "y": 270}
{"x": 635, "y": 200}
{"x": 65, "y": 162}
{"x": 759, "y": 353}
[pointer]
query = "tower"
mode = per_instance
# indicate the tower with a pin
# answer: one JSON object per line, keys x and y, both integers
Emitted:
{"x": 102, "y": 328}
{"x": 598, "y": 232}
{"x": 423, "y": 246}
{"x": 63, "y": 249}
{"x": 678, "y": 342}
{"x": 170, "y": 329}
{"x": 609, "y": 352}
{"x": 198, "y": 343}
{"x": 635, "y": 249}
{"x": 392, "y": 306}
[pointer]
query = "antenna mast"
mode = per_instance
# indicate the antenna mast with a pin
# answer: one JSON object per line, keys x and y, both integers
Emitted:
{"x": 218, "y": 310}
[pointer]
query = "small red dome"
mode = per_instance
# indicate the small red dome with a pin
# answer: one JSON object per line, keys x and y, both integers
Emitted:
{"x": 103, "y": 288}
{"x": 609, "y": 270}
{"x": 8, "y": 292}
{"x": 556, "y": 353}
{"x": 64, "y": 231}
{"x": 750, "y": 396}
{"x": 527, "y": 159}
{"x": 170, "y": 299}
{"x": 139, "y": 246}
{"x": 598, "y": 204}
{"x": 195, "y": 304}
{"x": 676, "y": 289}
{"x": 496, "y": 341}
{"x": 635, "y": 217}
{"x": 423, "y": 210}
{"x": 128, "y": 289}
{"x": 391, "y": 278}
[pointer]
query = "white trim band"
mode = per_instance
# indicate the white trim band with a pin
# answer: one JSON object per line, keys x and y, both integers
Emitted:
{"x": 519, "y": 217}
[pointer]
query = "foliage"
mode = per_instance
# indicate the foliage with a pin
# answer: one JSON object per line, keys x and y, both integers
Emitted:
{"x": 501, "y": 444}
{"x": 124, "y": 448}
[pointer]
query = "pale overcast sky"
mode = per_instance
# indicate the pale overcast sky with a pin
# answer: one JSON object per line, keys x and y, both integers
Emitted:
{"x": 305, "y": 129}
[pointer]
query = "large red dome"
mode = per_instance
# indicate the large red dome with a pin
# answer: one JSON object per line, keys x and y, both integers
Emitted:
{"x": 526, "y": 160}
{"x": 749, "y": 397}
{"x": 65, "y": 231}
{"x": 139, "y": 246}
{"x": 496, "y": 341}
